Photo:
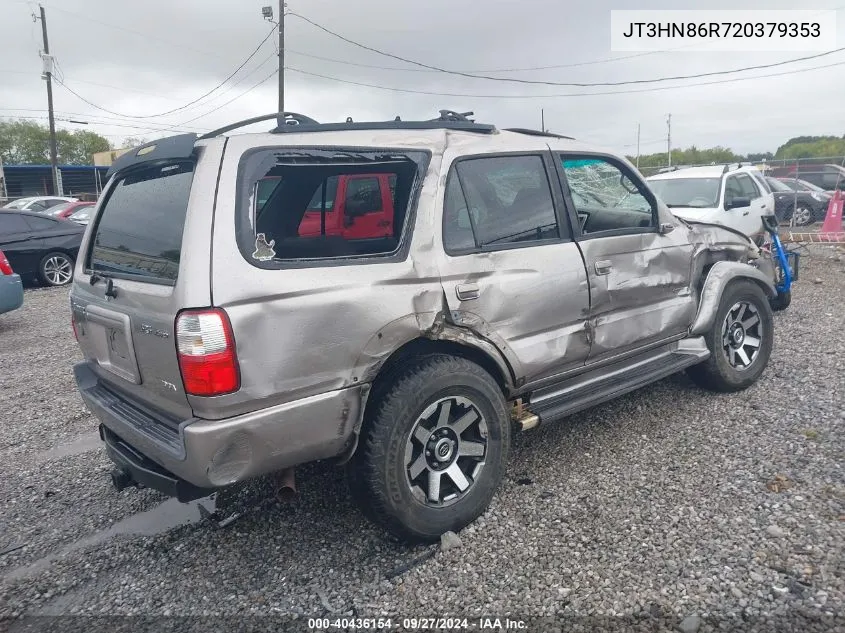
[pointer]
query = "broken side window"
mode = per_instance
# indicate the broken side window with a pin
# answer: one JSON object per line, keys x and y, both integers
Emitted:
{"x": 323, "y": 206}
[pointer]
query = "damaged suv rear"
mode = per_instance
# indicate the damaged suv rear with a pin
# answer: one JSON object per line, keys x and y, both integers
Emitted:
{"x": 396, "y": 296}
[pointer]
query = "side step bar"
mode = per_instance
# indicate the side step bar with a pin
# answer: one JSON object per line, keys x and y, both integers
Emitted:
{"x": 606, "y": 383}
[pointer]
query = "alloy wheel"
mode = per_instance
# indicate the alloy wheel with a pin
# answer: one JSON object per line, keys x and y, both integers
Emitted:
{"x": 58, "y": 270}
{"x": 445, "y": 451}
{"x": 802, "y": 215}
{"x": 742, "y": 335}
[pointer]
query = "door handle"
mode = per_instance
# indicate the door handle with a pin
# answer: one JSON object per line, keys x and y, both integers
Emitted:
{"x": 603, "y": 267}
{"x": 467, "y": 292}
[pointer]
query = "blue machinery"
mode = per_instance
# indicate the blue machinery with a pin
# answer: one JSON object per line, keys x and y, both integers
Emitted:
{"x": 787, "y": 261}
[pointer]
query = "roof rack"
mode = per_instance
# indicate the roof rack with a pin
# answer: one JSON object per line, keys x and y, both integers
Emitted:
{"x": 298, "y": 123}
{"x": 522, "y": 130}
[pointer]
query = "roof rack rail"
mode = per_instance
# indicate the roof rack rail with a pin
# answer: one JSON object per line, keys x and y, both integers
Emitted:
{"x": 298, "y": 123}
{"x": 290, "y": 118}
{"x": 530, "y": 132}
{"x": 732, "y": 166}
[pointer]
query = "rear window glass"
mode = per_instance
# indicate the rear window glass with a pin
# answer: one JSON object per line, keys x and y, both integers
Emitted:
{"x": 12, "y": 223}
{"x": 324, "y": 205}
{"x": 139, "y": 232}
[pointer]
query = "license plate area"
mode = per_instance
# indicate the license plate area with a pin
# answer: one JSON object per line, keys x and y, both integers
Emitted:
{"x": 109, "y": 336}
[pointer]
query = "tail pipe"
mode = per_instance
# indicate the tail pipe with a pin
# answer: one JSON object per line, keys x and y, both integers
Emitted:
{"x": 286, "y": 485}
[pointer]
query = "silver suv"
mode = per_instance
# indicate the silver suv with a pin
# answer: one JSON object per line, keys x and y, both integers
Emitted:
{"x": 395, "y": 296}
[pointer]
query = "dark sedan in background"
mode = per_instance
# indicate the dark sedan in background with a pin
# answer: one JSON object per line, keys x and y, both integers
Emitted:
{"x": 802, "y": 207}
{"x": 40, "y": 247}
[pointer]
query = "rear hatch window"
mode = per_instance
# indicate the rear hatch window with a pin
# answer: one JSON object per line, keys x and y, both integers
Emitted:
{"x": 138, "y": 234}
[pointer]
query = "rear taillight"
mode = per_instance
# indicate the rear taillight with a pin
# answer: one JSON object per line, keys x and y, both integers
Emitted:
{"x": 206, "y": 348}
{"x": 5, "y": 266}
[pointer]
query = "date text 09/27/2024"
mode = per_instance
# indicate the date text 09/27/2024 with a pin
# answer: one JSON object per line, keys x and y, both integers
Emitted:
{"x": 417, "y": 624}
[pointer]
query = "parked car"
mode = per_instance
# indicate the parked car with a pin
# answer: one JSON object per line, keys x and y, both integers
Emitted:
{"x": 526, "y": 277}
{"x": 11, "y": 289}
{"x": 721, "y": 194}
{"x": 37, "y": 203}
{"x": 803, "y": 207}
{"x": 796, "y": 184}
{"x": 83, "y": 216}
{"x": 40, "y": 247}
{"x": 67, "y": 209}
{"x": 828, "y": 177}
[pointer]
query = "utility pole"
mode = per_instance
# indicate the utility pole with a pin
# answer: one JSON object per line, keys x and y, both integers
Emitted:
{"x": 542, "y": 120}
{"x": 638, "y": 145}
{"x": 669, "y": 138}
{"x": 48, "y": 76}
{"x": 282, "y": 58}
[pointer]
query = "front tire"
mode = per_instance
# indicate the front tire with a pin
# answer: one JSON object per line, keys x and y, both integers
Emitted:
{"x": 55, "y": 269}
{"x": 433, "y": 451}
{"x": 782, "y": 301}
{"x": 740, "y": 340}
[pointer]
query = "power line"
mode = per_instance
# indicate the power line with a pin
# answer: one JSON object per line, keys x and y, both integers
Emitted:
{"x": 559, "y": 83}
{"x": 99, "y": 119}
{"x": 146, "y": 36}
{"x": 133, "y": 127}
{"x": 488, "y": 70}
{"x": 223, "y": 105}
{"x": 557, "y": 95}
{"x": 187, "y": 105}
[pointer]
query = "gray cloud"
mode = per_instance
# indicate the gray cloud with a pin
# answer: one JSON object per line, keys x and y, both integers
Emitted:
{"x": 141, "y": 58}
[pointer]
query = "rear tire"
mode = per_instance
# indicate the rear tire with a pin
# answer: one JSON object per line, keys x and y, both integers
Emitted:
{"x": 740, "y": 340}
{"x": 55, "y": 269}
{"x": 433, "y": 450}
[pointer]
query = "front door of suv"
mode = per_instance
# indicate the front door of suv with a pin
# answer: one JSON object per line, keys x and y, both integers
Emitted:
{"x": 509, "y": 267}
{"x": 639, "y": 277}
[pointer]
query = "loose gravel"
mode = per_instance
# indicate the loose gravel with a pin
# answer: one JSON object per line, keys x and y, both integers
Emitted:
{"x": 671, "y": 508}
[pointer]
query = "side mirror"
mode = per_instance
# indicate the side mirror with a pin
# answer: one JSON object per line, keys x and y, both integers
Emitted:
{"x": 348, "y": 220}
{"x": 666, "y": 227}
{"x": 737, "y": 203}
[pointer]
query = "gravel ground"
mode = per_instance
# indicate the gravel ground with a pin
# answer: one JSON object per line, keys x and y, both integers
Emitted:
{"x": 670, "y": 507}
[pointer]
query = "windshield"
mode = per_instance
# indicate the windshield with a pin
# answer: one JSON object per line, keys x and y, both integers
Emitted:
{"x": 777, "y": 185}
{"x": 694, "y": 193}
{"x": 82, "y": 214}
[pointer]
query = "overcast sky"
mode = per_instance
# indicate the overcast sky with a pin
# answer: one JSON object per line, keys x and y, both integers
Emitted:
{"x": 144, "y": 58}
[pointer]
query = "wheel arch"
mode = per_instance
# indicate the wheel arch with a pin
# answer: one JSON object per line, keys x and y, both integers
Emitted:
{"x": 719, "y": 276}
{"x": 450, "y": 341}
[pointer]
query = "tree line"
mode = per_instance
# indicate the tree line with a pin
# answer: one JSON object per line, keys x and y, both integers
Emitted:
{"x": 28, "y": 143}
{"x": 794, "y": 148}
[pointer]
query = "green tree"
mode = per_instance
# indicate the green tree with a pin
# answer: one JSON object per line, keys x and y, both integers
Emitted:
{"x": 28, "y": 143}
{"x": 134, "y": 141}
{"x": 812, "y": 147}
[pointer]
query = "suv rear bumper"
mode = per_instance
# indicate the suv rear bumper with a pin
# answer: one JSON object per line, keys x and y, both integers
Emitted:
{"x": 208, "y": 454}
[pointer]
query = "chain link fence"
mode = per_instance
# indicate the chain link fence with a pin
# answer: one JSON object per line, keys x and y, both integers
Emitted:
{"x": 826, "y": 172}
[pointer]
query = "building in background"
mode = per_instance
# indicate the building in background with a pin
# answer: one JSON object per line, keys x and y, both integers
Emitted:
{"x": 105, "y": 159}
{"x": 79, "y": 181}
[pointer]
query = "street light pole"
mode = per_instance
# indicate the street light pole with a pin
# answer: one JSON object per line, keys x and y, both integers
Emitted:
{"x": 282, "y": 59}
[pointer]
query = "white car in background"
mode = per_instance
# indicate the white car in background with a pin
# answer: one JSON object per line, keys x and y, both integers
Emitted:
{"x": 38, "y": 203}
{"x": 733, "y": 196}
